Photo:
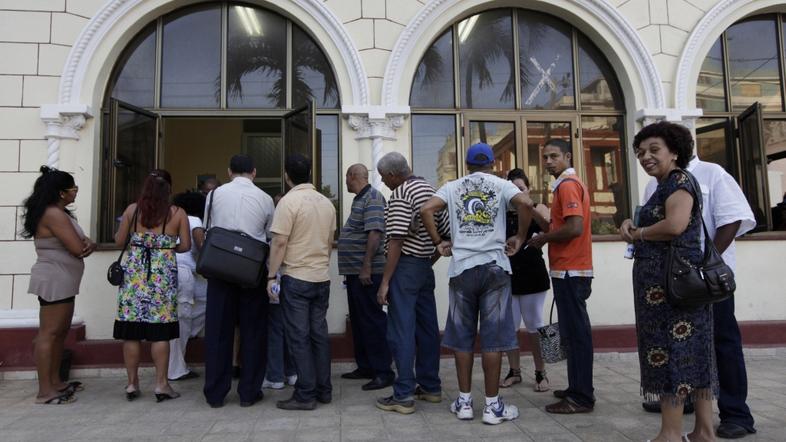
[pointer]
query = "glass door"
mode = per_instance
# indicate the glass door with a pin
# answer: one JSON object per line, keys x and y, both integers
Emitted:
{"x": 754, "y": 178}
{"x": 299, "y": 127}
{"x": 133, "y": 139}
{"x": 502, "y": 134}
{"x": 715, "y": 144}
{"x": 537, "y": 133}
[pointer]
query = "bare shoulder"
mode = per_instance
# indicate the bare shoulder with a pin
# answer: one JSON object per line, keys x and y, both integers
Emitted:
{"x": 54, "y": 214}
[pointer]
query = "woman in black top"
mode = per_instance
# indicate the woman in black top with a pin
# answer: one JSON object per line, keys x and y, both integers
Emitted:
{"x": 529, "y": 285}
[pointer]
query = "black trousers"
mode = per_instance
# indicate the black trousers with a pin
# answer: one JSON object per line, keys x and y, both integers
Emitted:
{"x": 227, "y": 305}
{"x": 369, "y": 327}
{"x": 732, "y": 376}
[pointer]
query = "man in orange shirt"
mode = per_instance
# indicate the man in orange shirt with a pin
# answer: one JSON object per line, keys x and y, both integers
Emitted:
{"x": 570, "y": 261}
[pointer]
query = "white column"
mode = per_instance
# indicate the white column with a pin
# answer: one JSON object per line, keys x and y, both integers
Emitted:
{"x": 63, "y": 121}
{"x": 377, "y": 127}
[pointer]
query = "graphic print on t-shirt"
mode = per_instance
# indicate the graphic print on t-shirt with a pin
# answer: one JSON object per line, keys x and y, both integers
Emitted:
{"x": 480, "y": 205}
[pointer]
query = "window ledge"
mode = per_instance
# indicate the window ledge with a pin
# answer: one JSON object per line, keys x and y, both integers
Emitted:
{"x": 778, "y": 235}
{"x": 107, "y": 246}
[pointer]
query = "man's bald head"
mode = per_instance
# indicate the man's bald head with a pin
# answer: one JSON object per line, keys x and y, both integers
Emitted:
{"x": 357, "y": 178}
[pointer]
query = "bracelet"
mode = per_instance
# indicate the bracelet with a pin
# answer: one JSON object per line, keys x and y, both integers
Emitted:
{"x": 641, "y": 233}
{"x": 270, "y": 278}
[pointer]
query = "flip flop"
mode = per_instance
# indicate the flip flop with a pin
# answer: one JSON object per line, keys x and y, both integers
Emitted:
{"x": 65, "y": 398}
{"x": 161, "y": 397}
{"x": 73, "y": 387}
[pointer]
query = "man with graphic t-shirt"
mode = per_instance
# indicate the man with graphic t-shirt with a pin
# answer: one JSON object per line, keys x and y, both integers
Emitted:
{"x": 570, "y": 261}
{"x": 479, "y": 272}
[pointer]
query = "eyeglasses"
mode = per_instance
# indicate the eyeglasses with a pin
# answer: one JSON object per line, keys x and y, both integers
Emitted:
{"x": 75, "y": 189}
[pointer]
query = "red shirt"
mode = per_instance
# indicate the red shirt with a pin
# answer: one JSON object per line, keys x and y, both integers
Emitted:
{"x": 571, "y": 199}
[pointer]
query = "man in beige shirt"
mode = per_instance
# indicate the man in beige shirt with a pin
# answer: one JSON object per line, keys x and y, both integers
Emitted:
{"x": 303, "y": 227}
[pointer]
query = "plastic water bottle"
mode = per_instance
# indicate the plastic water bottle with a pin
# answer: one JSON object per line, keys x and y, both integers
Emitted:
{"x": 276, "y": 289}
{"x": 629, "y": 251}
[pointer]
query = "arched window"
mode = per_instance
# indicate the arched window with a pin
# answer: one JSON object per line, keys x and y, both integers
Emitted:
{"x": 741, "y": 86}
{"x": 208, "y": 81}
{"x": 514, "y": 78}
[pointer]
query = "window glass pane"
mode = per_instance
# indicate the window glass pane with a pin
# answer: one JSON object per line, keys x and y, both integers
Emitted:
{"x": 433, "y": 84}
{"x": 135, "y": 82}
{"x": 537, "y": 134}
{"x": 486, "y": 61}
{"x": 711, "y": 139}
{"x": 434, "y": 148}
{"x": 606, "y": 179}
{"x": 775, "y": 147}
{"x": 313, "y": 77}
{"x": 501, "y": 136}
{"x": 753, "y": 64}
{"x": 710, "y": 91}
{"x": 327, "y": 143}
{"x": 191, "y": 72}
{"x": 256, "y": 58}
{"x": 546, "y": 62}
{"x": 599, "y": 86}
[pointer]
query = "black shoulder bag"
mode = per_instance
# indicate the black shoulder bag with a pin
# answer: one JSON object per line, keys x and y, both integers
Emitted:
{"x": 231, "y": 256}
{"x": 115, "y": 272}
{"x": 689, "y": 286}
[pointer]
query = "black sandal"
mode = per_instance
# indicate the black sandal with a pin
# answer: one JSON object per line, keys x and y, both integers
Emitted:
{"x": 541, "y": 381}
{"x": 133, "y": 394}
{"x": 73, "y": 387}
{"x": 513, "y": 378}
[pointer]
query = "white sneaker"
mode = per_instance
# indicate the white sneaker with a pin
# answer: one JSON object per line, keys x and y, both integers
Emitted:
{"x": 496, "y": 415}
{"x": 292, "y": 380}
{"x": 462, "y": 410}
{"x": 273, "y": 385}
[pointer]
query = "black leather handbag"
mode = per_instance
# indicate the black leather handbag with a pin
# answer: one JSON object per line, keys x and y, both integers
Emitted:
{"x": 231, "y": 256}
{"x": 690, "y": 286}
{"x": 115, "y": 272}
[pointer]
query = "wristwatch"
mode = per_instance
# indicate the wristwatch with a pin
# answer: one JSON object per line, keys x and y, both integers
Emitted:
{"x": 270, "y": 278}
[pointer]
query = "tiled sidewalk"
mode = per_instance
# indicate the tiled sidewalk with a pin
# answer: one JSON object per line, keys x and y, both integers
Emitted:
{"x": 102, "y": 413}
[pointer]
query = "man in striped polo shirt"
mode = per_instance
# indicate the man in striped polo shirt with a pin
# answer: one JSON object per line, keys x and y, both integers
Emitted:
{"x": 361, "y": 259}
{"x": 408, "y": 288}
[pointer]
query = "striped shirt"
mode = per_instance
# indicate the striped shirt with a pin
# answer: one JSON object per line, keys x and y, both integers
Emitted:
{"x": 367, "y": 215}
{"x": 402, "y": 218}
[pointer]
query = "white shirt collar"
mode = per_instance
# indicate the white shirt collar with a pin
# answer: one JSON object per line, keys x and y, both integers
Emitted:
{"x": 565, "y": 173}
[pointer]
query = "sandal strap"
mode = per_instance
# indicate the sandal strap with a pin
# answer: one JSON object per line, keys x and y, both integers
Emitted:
{"x": 513, "y": 373}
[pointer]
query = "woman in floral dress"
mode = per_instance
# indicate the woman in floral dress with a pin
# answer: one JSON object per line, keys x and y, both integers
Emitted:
{"x": 147, "y": 301}
{"x": 676, "y": 352}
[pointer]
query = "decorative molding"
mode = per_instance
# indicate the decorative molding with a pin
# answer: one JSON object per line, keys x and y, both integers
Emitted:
{"x": 714, "y": 22}
{"x": 685, "y": 117}
{"x": 370, "y": 127}
{"x": 619, "y": 26}
{"x": 83, "y": 50}
{"x": 63, "y": 122}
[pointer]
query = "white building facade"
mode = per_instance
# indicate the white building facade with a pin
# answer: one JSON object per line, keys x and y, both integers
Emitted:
{"x": 107, "y": 89}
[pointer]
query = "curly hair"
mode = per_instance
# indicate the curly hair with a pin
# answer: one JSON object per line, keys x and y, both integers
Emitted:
{"x": 46, "y": 192}
{"x": 192, "y": 202}
{"x": 678, "y": 139}
{"x": 518, "y": 174}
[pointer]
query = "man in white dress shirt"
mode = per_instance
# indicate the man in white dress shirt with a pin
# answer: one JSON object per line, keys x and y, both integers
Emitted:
{"x": 241, "y": 206}
{"x": 727, "y": 215}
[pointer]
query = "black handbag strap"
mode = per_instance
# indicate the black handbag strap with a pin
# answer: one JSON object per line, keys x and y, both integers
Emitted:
{"x": 709, "y": 245}
{"x": 128, "y": 237}
{"x": 551, "y": 312}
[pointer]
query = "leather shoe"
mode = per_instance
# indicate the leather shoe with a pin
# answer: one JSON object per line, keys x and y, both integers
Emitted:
{"x": 259, "y": 397}
{"x": 731, "y": 431}
{"x": 294, "y": 404}
{"x": 326, "y": 399}
{"x": 378, "y": 383}
{"x": 357, "y": 374}
{"x": 654, "y": 407}
{"x": 560, "y": 394}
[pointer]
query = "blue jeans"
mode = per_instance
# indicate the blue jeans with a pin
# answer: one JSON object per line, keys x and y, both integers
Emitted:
{"x": 305, "y": 306}
{"x": 575, "y": 331}
{"x": 732, "y": 376}
{"x": 369, "y": 325}
{"x": 279, "y": 361}
{"x": 482, "y": 291}
{"x": 413, "y": 333}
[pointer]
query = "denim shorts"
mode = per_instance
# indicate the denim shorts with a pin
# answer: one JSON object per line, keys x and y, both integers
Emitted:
{"x": 482, "y": 291}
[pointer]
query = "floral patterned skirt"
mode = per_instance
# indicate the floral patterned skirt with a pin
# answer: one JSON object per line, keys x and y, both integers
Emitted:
{"x": 147, "y": 299}
{"x": 676, "y": 351}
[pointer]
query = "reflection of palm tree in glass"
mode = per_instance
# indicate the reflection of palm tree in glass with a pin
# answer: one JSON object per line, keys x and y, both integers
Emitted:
{"x": 483, "y": 47}
{"x": 268, "y": 59}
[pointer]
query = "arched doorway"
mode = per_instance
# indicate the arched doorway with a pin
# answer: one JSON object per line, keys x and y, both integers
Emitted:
{"x": 202, "y": 83}
{"x": 514, "y": 78}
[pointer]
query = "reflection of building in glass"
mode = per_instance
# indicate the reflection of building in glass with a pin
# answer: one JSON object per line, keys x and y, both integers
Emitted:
{"x": 446, "y": 162}
{"x": 709, "y": 90}
{"x": 596, "y": 94}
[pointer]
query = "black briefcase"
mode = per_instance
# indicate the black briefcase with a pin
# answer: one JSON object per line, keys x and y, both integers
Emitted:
{"x": 231, "y": 256}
